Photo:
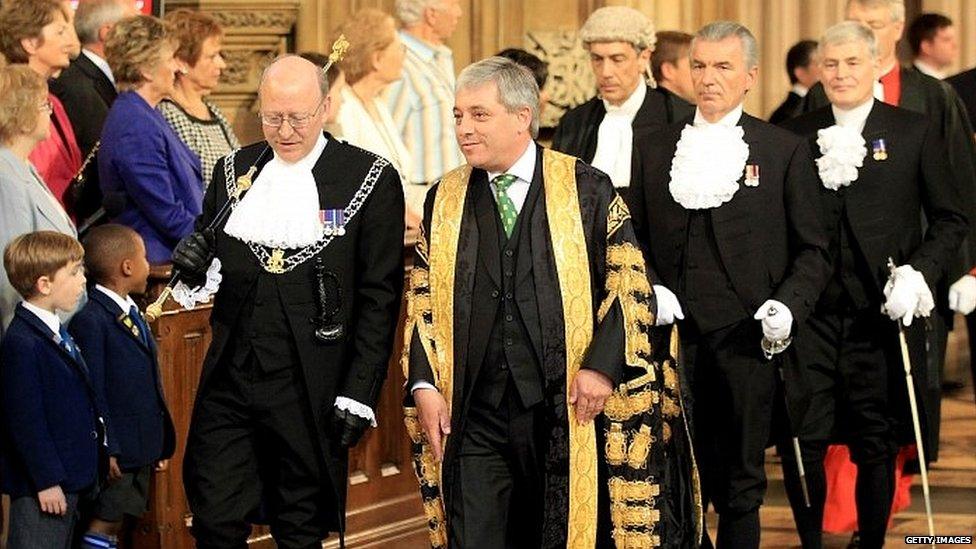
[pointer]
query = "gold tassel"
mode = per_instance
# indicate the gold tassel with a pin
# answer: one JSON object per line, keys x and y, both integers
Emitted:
{"x": 640, "y": 448}
{"x": 616, "y": 444}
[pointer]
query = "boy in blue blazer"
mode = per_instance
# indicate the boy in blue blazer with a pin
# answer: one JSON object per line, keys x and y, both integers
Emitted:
{"x": 49, "y": 424}
{"x": 121, "y": 357}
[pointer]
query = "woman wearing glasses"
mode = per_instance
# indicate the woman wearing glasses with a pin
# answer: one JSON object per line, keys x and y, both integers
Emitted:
{"x": 150, "y": 179}
{"x": 25, "y": 201}
{"x": 38, "y": 34}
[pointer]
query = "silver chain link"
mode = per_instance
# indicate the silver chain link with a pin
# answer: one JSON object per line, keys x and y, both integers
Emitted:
{"x": 264, "y": 253}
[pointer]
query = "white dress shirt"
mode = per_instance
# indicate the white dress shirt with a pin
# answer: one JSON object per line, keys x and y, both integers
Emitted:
{"x": 730, "y": 120}
{"x": 99, "y": 62}
{"x": 49, "y": 319}
{"x": 928, "y": 69}
{"x": 125, "y": 303}
{"x": 800, "y": 90}
{"x": 524, "y": 170}
{"x": 853, "y": 118}
{"x": 615, "y": 138}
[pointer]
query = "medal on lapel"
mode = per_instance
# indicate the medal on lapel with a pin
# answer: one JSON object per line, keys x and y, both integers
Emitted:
{"x": 880, "y": 150}
{"x": 130, "y": 325}
{"x": 752, "y": 175}
{"x": 333, "y": 222}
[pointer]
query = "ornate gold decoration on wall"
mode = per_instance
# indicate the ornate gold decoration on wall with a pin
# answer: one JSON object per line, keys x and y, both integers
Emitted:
{"x": 571, "y": 80}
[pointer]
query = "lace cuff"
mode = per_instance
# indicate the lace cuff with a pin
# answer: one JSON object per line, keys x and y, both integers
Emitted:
{"x": 357, "y": 408}
{"x": 190, "y": 297}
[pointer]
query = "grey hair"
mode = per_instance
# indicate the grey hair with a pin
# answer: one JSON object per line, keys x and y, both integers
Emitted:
{"x": 896, "y": 7}
{"x": 93, "y": 14}
{"x": 323, "y": 79}
{"x": 517, "y": 88}
{"x": 720, "y": 30}
{"x": 847, "y": 32}
{"x": 411, "y": 12}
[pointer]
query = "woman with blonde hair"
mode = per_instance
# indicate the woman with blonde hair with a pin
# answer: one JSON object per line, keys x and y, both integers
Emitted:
{"x": 198, "y": 122}
{"x": 38, "y": 34}
{"x": 26, "y": 204}
{"x": 150, "y": 179}
{"x": 373, "y": 62}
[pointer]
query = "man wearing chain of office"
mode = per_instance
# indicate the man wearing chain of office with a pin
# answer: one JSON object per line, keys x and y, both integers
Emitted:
{"x": 303, "y": 320}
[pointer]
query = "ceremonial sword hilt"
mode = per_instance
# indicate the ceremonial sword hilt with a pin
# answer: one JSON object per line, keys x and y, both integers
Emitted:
{"x": 772, "y": 348}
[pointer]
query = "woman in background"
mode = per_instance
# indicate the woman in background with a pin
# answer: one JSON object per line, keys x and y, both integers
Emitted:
{"x": 198, "y": 122}
{"x": 148, "y": 175}
{"x": 373, "y": 62}
{"x": 38, "y": 34}
{"x": 26, "y": 204}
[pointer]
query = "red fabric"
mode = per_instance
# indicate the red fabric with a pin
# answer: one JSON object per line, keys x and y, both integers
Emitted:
{"x": 892, "y": 86}
{"x": 840, "y": 512}
{"x": 56, "y": 160}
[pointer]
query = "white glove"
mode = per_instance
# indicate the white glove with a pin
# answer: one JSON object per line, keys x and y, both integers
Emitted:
{"x": 907, "y": 295}
{"x": 668, "y": 307}
{"x": 777, "y": 320}
{"x": 962, "y": 295}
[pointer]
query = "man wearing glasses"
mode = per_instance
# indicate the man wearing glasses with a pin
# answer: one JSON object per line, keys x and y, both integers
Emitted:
{"x": 303, "y": 320}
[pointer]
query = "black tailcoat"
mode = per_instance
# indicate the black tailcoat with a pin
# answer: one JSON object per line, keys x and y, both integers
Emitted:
{"x": 883, "y": 210}
{"x": 791, "y": 107}
{"x": 769, "y": 237}
{"x": 965, "y": 85}
{"x": 937, "y": 100}
{"x": 577, "y": 131}
{"x": 368, "y": 261}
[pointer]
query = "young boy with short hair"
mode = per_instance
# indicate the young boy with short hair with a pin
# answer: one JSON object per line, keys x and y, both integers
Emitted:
{"x": 49, "y": 422}
{"x": 121, "y": 356}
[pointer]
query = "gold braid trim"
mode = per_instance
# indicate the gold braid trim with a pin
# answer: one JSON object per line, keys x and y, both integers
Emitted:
{"x": 628, "y": 539}
{"x": 634, "y": 516}
{"x": 622, "y": 490}
{"x": 430, "y": 311}
{"x": 620, "y": 406}
{"x": 569, "y": 251}
{"x": 626, "y": 280}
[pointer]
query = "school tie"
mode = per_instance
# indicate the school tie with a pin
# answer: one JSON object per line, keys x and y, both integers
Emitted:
{"x": 506, "y": 208}
{"x": 141, "y": 324}
{"x": 68, "y": 344}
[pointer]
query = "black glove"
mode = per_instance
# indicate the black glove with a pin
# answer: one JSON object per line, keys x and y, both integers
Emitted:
{"x": 347, "y": 427}
{"x": 192, "y": 256}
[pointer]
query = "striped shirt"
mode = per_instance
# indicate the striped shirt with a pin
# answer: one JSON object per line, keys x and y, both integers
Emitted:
{"x": 422, "y": 105}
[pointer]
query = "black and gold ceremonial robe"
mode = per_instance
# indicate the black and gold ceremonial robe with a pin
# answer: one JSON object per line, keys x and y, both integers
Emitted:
{"x": 593, "y": 299}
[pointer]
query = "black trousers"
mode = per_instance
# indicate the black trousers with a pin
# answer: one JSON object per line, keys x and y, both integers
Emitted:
{"x": 251, "y": 450}
{"x": 732, "y": 389}
{"x": 497, "y": 501}
{"x": 847, "y": 361}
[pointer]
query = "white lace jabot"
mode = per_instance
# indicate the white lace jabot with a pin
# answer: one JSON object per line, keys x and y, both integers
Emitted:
{"x": 708, "y": 163}
{"x": 843, "y": 153}
{"x": 281, "y": 210}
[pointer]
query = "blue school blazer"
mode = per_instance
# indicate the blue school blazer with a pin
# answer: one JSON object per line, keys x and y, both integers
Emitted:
{"x": 48, "y": 413}
{"x": 125, "y": 375}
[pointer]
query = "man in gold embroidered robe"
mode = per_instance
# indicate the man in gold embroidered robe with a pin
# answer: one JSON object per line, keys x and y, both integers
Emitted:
{"x": 541, "y": 417}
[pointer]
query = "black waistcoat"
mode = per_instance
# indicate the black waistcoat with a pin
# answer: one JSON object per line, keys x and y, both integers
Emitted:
{"x": 851, "y": 287}
{"x": 707, "y": 288}
{"x": 509, "y": 354}
{"x": 263, "y": 328}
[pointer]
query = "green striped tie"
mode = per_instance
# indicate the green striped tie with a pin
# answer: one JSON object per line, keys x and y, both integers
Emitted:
{"x": 506, "y": 208}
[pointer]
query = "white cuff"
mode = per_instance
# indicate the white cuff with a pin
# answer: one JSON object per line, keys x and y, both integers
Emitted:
{"x": 421, "y": 385}
{"x": 356, "y": 408}
{"x": 189, "y": 297}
